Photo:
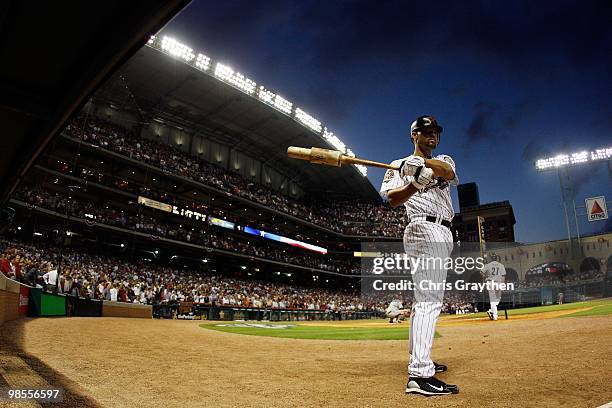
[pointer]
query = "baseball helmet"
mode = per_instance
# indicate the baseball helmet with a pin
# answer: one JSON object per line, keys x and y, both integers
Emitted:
{"x": 425, "y": 122}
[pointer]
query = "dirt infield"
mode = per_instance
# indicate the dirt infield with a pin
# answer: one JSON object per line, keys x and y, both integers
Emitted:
{"x": 118, "y": 362}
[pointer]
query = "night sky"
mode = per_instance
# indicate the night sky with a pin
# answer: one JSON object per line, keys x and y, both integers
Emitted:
{"x": 509, "y": 81}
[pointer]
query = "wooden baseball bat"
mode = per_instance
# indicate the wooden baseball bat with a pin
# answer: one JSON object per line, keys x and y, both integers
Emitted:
{"x": 328, "y": 157}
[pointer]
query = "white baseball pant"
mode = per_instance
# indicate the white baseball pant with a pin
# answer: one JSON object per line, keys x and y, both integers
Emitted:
{"x": 430, "y": 241}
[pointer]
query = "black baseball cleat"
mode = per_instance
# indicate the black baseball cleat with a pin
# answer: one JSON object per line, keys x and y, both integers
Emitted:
{"x": 490, "y": 313}
{"x": 430, "y": 386}
{"x": 440, "y": 368}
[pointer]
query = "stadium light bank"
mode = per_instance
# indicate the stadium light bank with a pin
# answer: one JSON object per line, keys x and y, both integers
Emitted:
{"x": 561, "y": 163}
{"x": 226, "y": 74}
{"x": 563, "y": 160}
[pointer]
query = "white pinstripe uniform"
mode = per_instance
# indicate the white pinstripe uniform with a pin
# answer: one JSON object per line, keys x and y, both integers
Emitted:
{"x": 494, "y": 272}
{"x": 393, "y": 310}
{"x": 429, "y": 239}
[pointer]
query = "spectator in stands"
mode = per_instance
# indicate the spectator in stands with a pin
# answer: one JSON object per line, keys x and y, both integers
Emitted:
{"x": 5, "y": 266}
{"x": 50, "y": 278}
{"x": 65, "y": 284}
{"x": 32, "y": 275}
{"x": 113, "y": 293}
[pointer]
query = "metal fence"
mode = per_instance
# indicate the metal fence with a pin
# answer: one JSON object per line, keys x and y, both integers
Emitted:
{"x": 205, "y": 312}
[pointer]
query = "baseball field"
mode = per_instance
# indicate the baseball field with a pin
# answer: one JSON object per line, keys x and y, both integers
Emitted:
{"x": 545, "y": 356}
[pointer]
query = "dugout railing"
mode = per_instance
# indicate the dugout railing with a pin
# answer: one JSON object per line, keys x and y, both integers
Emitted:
{"x": 210, "y": 312}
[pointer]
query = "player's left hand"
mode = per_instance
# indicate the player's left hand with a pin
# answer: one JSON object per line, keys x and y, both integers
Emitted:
{"x": 423, "y": 179}
{"x": 411, "y": 165}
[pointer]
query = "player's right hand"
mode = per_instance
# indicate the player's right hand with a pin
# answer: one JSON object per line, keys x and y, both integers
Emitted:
{"x": 423, "y": 178}
{"x": 411, "y": 165}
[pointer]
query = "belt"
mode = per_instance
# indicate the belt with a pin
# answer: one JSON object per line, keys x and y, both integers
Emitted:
{"x": 432, "y": 218}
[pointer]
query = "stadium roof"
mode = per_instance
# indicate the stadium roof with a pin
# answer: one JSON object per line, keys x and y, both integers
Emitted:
{"x": 166, "y": 89}
{"x": 54, "y": 55}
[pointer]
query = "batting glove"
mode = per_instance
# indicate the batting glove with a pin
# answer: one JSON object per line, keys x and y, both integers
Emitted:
{"x": 411, "y": 165}
{"x": 423, "y": 177}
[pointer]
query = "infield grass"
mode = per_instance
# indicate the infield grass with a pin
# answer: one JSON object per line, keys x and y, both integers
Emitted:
{"x": 378, "y": 329}
{"x": 597, "y": 310}
{"x": 597, "y": 307}
{"x": 322, "y": 332}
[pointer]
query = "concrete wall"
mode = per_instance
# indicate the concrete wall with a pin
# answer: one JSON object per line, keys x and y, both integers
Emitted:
{"x": 9, "y": 299}
{"x": 8, "y": 306}
{"x": 120, "y": 117}
{"x": 119, "y": 309}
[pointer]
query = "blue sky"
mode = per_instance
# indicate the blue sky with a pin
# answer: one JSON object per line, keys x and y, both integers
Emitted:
{"x": 509, "y": 83}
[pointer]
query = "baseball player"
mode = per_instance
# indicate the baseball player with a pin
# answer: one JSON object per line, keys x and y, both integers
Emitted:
{"x": 422, "y": 185}
{"x": 494, "y": 272}
{"x": 395, "y": 311}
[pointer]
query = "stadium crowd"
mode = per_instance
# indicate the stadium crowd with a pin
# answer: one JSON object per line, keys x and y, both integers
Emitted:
{"x": 92, "y": 212}
{"x": 108, "y": 278}
{"x": 347, "y": 218}
{"x": 552, "y": 279}
{"x": 117, "y": 280}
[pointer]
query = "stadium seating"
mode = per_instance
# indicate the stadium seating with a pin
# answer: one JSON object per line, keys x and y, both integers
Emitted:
{"x": 365, "y": 219}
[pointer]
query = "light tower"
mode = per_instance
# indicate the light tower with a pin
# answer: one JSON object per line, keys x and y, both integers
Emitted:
{"x": 562, "y": 163}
